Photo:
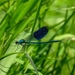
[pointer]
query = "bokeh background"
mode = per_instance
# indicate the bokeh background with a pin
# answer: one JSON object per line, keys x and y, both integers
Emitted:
{"x": 19, "y": 19}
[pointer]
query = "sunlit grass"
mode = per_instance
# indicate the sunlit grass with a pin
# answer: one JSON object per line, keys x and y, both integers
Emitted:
{"x": 21, "y": 18}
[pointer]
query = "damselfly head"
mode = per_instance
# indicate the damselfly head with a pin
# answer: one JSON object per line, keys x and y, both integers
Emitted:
{"x": 17, "y": 42}
{"x": 21, "y": 42}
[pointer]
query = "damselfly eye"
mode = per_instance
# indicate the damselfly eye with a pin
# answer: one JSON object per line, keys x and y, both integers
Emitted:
{"x": 17, "y": 42}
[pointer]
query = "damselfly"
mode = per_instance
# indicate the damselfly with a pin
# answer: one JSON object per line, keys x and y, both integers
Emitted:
{"x": 39, "y": 34}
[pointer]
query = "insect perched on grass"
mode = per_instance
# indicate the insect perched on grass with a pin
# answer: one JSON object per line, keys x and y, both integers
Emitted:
{"x": 39, "y": 34}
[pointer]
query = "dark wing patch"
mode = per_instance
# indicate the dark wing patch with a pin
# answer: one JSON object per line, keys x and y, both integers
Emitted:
{"x": 40, "y": 33}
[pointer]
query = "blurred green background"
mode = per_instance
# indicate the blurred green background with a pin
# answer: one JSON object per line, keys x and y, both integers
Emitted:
{"x": 21, "y": 18}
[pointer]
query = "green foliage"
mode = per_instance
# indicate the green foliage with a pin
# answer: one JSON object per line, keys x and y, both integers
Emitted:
{"x": 21, "y": 18}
